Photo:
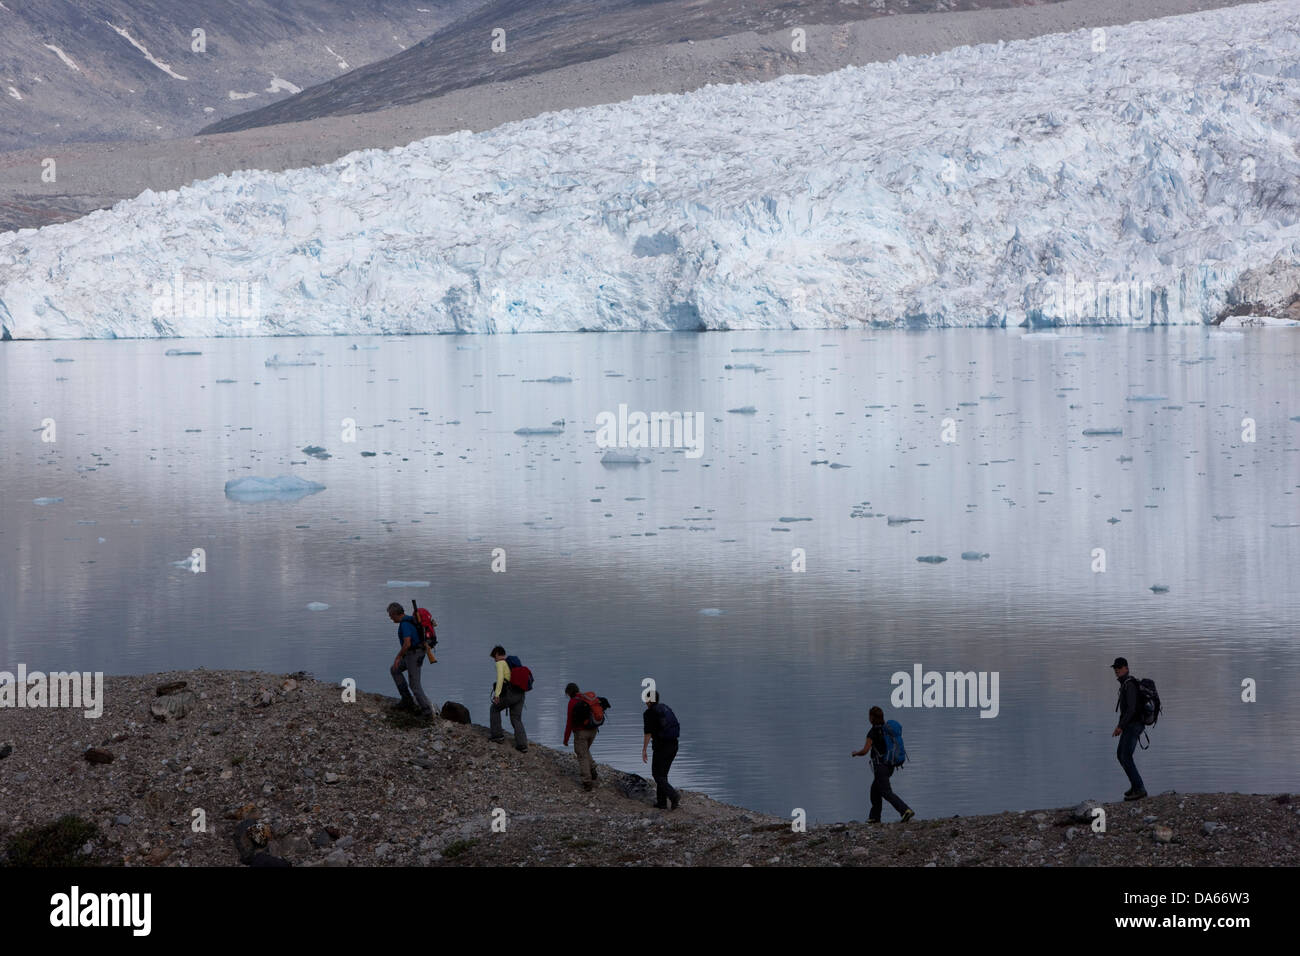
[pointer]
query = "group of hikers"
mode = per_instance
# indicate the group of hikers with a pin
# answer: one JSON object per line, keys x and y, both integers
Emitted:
{"x": 512, "y": 682}
{"x": 1138, "y": 707}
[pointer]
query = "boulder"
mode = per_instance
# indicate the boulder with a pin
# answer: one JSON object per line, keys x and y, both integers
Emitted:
{"x": 457, "y": 713}
{"x": 173, "y": 706}
{"x": 1083, "y": 812}
{"x": 162, "y": 690}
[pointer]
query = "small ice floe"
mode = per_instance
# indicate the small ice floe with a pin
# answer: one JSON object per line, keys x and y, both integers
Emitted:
{"x": 365, "y": 348}
{"x": 613, "y": 456}
{"x": 553, "y": 380}
{"x": 711, "y": 611}
{"x": 745, "y": 367}
{"x": 540, "y": 431}
{"x": 174, "y": 352}
{"x": 1147, "y": 398}
{"x": 1091, "y": 432}
{"x": 744, "y": 410}
{"x": 836, "y": 464}
{"x": 317, "y": 606}
{"x": 748, "y": 350}
{"x": 1257, "y": 321}
{"x": 790, "y": 351}
{"x": 1159, "y": 588}
{"x": 63, "y": 360}
{"x": 788, "y": 520}
{"x": 1123, "y": 458}
{"x": 369, "y": 454}
{"x": 45, "y": 501}
{"x": 1293, "y": 525}
{"x": 1112, "y": 520}
{"x": 407, "y": 584}
{"x": 276, "y": 362}
{"x": 932, "y": 559}
{"x": 1223, "y": 517}
{"x": 280, "y": 488}
{"x": 990, "y": 397}
{"x": 893, "y": 519}
{"x": 225, "y": 381}
{"x": 317, "y": 452}
{"x": 974, "y": 555}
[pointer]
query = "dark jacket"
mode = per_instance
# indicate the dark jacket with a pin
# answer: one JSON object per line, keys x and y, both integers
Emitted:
{"x": 1127, "y": 705}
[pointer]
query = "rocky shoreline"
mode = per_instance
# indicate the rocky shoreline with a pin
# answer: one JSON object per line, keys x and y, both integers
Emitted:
{"x": 280, "y": 771}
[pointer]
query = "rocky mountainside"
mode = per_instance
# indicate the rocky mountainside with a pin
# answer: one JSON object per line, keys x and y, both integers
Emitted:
{"x": 544, "y": 35}
{"x": 75, "y": 70}
{"x": 285, "y": 772}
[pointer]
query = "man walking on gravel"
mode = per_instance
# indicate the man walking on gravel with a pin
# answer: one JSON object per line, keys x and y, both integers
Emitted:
{"x": 1129, "y": 728}
{"x": 661, "y": 727}
{"x": 581, "y": 726}
{"x": 409, "y": 659}
{"x": 506, "y": 696}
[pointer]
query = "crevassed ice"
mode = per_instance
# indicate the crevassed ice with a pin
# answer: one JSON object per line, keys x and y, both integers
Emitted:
{"x": 944, "y": 190}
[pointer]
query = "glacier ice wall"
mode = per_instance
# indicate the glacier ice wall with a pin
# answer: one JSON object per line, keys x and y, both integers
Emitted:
{"x": 990, "y": 185}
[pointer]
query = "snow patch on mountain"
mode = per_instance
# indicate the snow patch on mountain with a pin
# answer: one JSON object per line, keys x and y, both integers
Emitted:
{"x": 1034, "y": 182}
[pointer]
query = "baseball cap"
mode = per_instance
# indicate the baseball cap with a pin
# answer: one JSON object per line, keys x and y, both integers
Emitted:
{"x": 1119, "y": 662}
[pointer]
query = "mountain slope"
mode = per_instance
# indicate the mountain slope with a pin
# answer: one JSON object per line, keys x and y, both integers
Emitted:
{"x": 127, "y": 69}
{"x": 544, "y": 35}
{"x": 967, "y": 188}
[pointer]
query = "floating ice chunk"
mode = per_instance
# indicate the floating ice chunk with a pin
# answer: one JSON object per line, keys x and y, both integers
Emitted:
{"x": 744, "y": 410}
{"x": 895, "y": 520}
{"x": 407, "y": 584}
{"x": 745, "y": 366}
{"x": 990, "y": 397}
{"x": 317, "y": 452}
{"x": 364, "y": 348}
{"x": 1159, "y": 588}
{"x": 45, "y": 501}
{"x": 711, "y": 611}
{"x": 225, "y": 381}
{"x": 553, "y": 380}
{"x": 788, "y": 520}
{"x": 1147, "y": 398}
{"x": 61, "y": 360}
{"x": 1112, "y": 520}
{"x": 749, "y": 350}
{"x": 1223, "y": 517}
{"x": 280, "y": 488}
{"x": 1293, "y": 525}
{"x": 837, "y": 465}
{"x": 1124, "y": 458}
{"x": 317, "y": 606}
{"x": 974, "y": 555}
{"x": 932, "y": 559}
{"x": 1103, "y": 431}
{"x": 276, "y": 362}
{"x": 180, "y": 352}
{"x": 540, "y": 431}
{"x": 615, "y": 457}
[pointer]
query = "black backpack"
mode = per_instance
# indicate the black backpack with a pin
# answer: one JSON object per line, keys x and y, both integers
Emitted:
{"x": 669, "y": 728}
{"x": 1148, "y": 703}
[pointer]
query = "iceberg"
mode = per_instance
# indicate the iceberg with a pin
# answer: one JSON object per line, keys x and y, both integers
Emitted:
{"x": 993, "y": 179}
{"x": 932, "y": 559}
{"x": 281, "y": 488}
{"x": 974, "y": 555}
{"x": 46, "y": 501}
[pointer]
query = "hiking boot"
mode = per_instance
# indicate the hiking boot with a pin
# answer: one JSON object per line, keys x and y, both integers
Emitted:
{"x": 594, "y": 775}
{"x": 872, "y": 820}
{"x": 675, "y": 800}
{"x": 523, "y": 749}
{"x": 427, "y": 714}
{"x": 1135, "y": 795}
{"x": 406, "y": 703}
{"x": 907, "y": 815}
{"x": 1128, "y": 792}
{"x": 497, "y": 740}
{"x": 588, "y": 786}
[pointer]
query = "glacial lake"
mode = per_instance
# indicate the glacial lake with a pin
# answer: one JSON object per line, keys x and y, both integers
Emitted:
{"x": 682, "y": 568}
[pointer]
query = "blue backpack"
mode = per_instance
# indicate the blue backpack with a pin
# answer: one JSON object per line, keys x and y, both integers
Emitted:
{"x": 669, "y": 728}
{"x": 895, "y": 752}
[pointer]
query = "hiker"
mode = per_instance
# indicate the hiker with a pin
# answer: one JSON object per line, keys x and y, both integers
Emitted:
{"x": 881, "y": 769}
{"x": 661, "y": 727}
{"x": 1129, "y": 728}
{"x": 506, "y": 696}
{"x": 585, "y": 715}
{"x": 409, "y": 659}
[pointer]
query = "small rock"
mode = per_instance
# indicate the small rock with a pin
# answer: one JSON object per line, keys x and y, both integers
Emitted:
{"x": 289, "y": 685}
{"x": 1083, "y": 812}
{"x": 331, "y": 778}
{"x": 383, "y": 850}
{"x": 344, "y": 842}
{"x": 157, "y": 855}
{"x": 1071, "y": 832}
{"x": 5, "y": 750}
{"x": 267, "y": 859}
{"x": 1209, "y": 826}
{"x": 859, "y": 851}
{"x": 1163, "y": 834}
{"x": 321, "y": 839}
{"x": 19, "y": 778}
{"x": 930, "y": 864}
{"x": 1040, "y": 817}
{"x": 122, "y": 820}
{"x": 95, "y": 755}
{"x": 1085, "y": 859}
{"x": 337, "y": 858}
{"x": 162, "y": 690}
{"x": 265, "y": 699}
{"x": 439, "y": 746}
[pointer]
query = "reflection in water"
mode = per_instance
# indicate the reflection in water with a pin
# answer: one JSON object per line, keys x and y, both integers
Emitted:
{"x": 685, "y": 569}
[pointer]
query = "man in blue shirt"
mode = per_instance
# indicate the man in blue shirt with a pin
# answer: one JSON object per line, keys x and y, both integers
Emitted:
{"x": 410, "y": 658}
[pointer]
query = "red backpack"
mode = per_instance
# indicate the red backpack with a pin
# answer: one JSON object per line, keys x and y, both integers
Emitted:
{"x": 425, "y": 624}
{"x": 520, "y": 676}
{"x": 590, "y": 711}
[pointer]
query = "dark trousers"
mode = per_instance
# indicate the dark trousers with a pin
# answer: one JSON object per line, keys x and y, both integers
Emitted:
{"x": 511, "y": 699}
{"x": 665, "y": 749}
{"x": 410, "y": 664}
{"x": 880, "y": 789}
{"x": 1128, "y": 742}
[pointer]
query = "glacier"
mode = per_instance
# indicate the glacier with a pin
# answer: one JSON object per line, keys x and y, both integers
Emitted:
{"x": 1132, "y": 176}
